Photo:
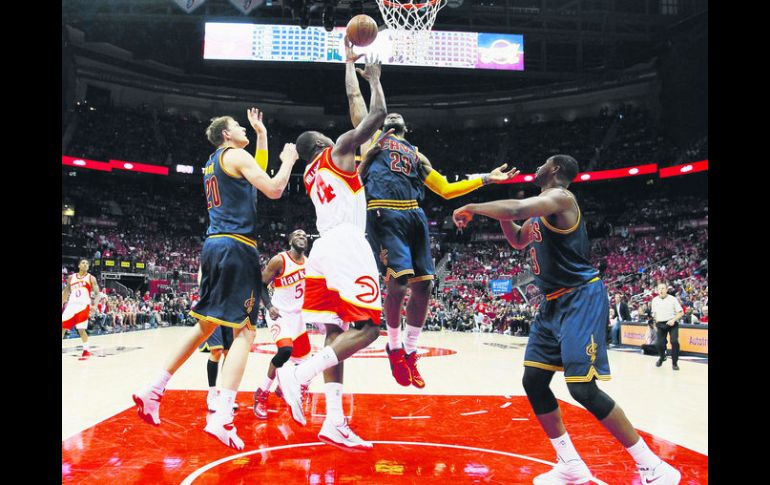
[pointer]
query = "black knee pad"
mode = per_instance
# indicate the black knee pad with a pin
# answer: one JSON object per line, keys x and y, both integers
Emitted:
{"x": 283, "y": 355}
{"x": 536, "y": 384}
{"x": 592, "y": 398}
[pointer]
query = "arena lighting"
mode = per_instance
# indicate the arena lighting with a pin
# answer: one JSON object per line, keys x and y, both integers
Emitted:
{"x": 85, "y": 163}
{"x": 685, "y": 169}
{"x": 138, "y": 167}
{"x": 184, "y": 169}
{"x": 600, "y": 175}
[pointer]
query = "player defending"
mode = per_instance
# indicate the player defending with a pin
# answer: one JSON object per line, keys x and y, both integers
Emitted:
{"x": 230, "y": 283}
{"x": 80, "y": 294}
{"x": 341, "y": 283}
{"x": 286, "y": 273}
{"x": 394, "y": 174}
{"x": 568, "y": 332}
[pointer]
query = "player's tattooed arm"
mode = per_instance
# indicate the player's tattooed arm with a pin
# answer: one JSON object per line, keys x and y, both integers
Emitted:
{"x": 518, "y": 236}
{"x": 542, "y": 205}
{"x": 356, "y": 102}
{"x": 273, "y": 268}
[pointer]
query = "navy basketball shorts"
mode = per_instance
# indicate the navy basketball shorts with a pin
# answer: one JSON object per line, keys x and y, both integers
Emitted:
{"x": 231, "y": 282}
{"x": 404, "y": 234}
{"x": 222, "y": 338}
{"x": 569, "y": 334}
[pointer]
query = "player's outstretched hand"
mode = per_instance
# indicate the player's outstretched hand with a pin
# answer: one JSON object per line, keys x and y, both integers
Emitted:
{"x": 372, "y": 69}
{"x": 255, "y": 118}
{"x": 350, "y": 56}
{"x": 274, "y": 313}
{"x": 499, "y": 175}
{"x": 289, "y": 153}
{"x": 462, "y": 216}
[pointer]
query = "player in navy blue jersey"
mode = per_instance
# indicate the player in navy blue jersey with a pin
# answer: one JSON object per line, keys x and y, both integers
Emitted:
{"x": 395, "y": 175}
{"x": 569, "y": 331}
{"x": 231, "y": 283}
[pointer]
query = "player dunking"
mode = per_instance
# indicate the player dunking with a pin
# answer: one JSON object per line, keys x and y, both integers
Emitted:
{"x": 394, "y": 174}
{"x": 341, "y": 282}
{"x": 286, "y": 273}
{"x": 80, "y": 295}
{"x": 230, "y": 284}
{"x": 568, "y": 332}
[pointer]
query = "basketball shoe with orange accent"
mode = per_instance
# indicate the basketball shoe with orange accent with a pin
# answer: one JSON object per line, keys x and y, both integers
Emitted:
{"x": 398, "y": 366}
{"x": 224, "y": 432}
{"x": 342, "y": 436}
{"x": 148, "y": 405}
{"x": 575, "y": 472}
{"x": 260, "y": 403}
{"x": 411, "y": 362}
{"x": 662, "y": 474}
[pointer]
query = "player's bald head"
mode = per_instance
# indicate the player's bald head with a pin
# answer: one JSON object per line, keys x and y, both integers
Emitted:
{"x": 309, "y": 142}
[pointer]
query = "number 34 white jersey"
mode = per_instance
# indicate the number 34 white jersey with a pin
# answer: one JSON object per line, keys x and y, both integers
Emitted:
{"x": 289, "y": 286}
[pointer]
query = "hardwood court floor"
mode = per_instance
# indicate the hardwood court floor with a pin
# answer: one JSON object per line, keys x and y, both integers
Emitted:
{"x": 471, "y": 423}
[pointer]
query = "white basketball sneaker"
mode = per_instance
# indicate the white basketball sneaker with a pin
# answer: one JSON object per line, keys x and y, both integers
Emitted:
{"x": 292, "y": 392}
{"x": 148, "y": 405}
{"x": 211, "y": 400}
{"x": 662, "y": 474}
{"x": 573, "y": 473}
{"x": 342, "y": 436}
{"x": 224, "y": 432}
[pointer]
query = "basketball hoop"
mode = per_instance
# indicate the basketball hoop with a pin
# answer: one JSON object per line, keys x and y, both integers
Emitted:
{"x": 410, "y": 24}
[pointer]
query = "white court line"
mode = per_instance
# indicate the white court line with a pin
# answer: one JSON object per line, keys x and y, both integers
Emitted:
{"x": 200, "y": 471}
{"x": 506, "y": 405}
{"x": 473, "y": 412}
{"x": 409, "y": 417}
{"x": 519, "y": 419}
{"x": 507, "y": 396}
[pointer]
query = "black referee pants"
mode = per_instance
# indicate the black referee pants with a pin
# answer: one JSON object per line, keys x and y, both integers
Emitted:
{"x": 663, "y": 330}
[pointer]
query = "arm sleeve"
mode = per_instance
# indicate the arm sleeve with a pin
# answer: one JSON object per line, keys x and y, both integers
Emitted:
{"x": 261, "y": 157}
{"x": 438, "y": 184}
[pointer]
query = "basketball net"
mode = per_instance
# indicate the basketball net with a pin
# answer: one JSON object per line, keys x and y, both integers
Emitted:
{"x": 410, "y": 23}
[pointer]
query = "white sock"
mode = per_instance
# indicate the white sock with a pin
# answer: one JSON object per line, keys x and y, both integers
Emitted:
{"x": 86, "y": 346}
{"x": 212, "y": 391}
{"x": 333, "y": 391}
{"x": 565, "y": 449}
{"x": 267, "y": 385}
{"x": 316, "y": 364}
{"x": 224, "y": 406}
{"x": 394, "y": 337}
{"x": 160, "y": 383}
{"x": 643, "y": 455}
{"x": 412, "y": 334}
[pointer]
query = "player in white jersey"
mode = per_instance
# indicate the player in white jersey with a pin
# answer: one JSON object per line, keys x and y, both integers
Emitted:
{"x": 341, "y": 280}
{"x": 285, "y": 272}
{"x": 80, "y": 295}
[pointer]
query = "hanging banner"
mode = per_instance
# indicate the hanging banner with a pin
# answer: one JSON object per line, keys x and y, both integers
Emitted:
{"x": 189, "y": 5}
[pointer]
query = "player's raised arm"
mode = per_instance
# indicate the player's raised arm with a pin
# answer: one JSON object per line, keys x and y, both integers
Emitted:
{"x": 255, "y": 119}
{"x": 241, "y": 163}
{"x": 273, "y": 268}
{"x": 344, "y": 149}
{"x": 439, "y": 184}
{"x": 542, "y": 205}
{"x": 356, "y": 101}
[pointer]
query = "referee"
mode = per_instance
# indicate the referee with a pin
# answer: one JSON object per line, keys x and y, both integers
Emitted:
{"x": 666, "y": 311}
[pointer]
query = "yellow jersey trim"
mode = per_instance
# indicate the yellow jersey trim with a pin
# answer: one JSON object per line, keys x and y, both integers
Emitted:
{"x": 540, "y": 365}
{"x": 563, "y": 291}
{"x": 222, "y": 164}
{"x": 239, "y": 238}
{"x": 563, "y": 231}
{"x": 390, "y": 273}
{"x": 245, "y": 322}
{"x": 421, "y": 278}
{"x": 592, "y": 373}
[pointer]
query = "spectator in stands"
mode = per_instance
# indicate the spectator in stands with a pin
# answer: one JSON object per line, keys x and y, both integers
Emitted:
{"x": 704, "y": 318}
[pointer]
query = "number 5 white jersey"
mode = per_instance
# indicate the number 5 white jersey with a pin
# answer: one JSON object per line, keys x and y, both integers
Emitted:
{"x": 338, "y": 196}
{"x": 289, "y": 286}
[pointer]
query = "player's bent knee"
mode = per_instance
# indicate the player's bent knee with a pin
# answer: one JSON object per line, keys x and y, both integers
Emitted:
{"x": 281, "y": 357}
{"x": 536, "y": 384}
{"x": 588, "y": 394}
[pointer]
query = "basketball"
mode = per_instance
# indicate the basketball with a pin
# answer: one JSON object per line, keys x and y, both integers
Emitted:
{"x": 361, "y": 30}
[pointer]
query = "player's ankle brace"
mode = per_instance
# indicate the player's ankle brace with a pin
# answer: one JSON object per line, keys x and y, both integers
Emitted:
{"x": 281, "y": 357}
{"x": 536, "y": 384}
{"x": 592, "y": 398}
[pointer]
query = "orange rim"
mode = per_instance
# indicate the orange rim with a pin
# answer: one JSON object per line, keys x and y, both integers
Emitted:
{"x": 408, "y": 6}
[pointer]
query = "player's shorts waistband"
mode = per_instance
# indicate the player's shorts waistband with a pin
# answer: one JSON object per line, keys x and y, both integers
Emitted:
{"x": 563, "y": 291}
{"x": 239, "y": 238}
{"x": 401, "y": 205}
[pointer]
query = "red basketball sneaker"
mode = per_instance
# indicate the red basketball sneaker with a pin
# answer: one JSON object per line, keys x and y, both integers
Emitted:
{"x": 260, "y": 403}
{"x": 86, "y": 354}
{"x": 398, "y": 366}
{"x": 411, "y": 361}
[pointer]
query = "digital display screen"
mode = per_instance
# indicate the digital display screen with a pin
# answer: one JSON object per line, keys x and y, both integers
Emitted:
{"x": 250, "y": 42}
